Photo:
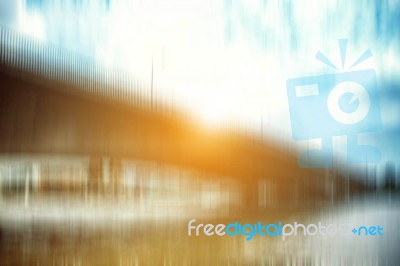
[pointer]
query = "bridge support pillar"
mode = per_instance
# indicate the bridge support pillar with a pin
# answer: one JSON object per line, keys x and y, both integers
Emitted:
{"x": 95, "y": 173}
{"x": 251, "y": 195}
{"x": 115, "y": 174}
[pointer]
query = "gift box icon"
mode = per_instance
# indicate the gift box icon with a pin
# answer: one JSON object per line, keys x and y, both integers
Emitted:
{"x": 345, "y": 103}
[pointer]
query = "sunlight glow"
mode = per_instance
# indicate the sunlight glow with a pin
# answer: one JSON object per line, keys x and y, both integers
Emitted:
{"x": 33, "y": 25}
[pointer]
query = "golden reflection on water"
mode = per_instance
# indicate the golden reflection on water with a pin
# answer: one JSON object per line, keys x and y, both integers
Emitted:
{"x": 137, "y": 213}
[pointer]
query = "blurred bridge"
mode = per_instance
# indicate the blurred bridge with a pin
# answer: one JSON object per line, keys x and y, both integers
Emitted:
{"x": 55, "y": 102}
